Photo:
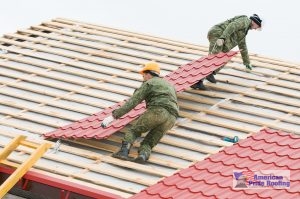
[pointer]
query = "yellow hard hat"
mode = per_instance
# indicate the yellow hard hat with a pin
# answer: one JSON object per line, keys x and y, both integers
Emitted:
{"x": 151, "y": 66}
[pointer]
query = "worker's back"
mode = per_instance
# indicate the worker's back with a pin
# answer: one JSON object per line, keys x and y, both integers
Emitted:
{"x": 161, "y": 94}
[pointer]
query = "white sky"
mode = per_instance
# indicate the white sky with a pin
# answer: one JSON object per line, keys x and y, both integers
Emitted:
{"x": 183, "y": 20}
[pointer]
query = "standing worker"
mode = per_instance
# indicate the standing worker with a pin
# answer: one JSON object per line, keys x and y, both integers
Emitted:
{"x": 160, "y": 116}
{"x": 225, "y": 36}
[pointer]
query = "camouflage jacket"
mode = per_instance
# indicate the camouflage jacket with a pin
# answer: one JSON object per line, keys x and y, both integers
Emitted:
{"x": 234, "y": 32}
{"x": 157, "y": 92}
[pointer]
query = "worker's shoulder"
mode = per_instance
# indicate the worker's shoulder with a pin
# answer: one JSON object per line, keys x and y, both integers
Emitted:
{"x": 156, "y": 79}
{"x": 159, "y": 80}
{"x": 240, "y": 18}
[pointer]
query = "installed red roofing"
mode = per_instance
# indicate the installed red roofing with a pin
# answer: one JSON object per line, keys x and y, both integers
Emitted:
{"x": 182, "y": 78}
{"x": 212, "y": 177}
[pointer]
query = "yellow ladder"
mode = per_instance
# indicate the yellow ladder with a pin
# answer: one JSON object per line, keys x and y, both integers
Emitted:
{"x": 40, "y": 149}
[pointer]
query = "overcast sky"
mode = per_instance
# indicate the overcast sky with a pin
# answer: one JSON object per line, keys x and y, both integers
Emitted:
{"x": 183, "y": 20}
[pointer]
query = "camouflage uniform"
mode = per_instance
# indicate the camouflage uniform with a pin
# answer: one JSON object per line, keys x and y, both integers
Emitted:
{"x": 161, "y": 114}
{"x": 234, "y": 32}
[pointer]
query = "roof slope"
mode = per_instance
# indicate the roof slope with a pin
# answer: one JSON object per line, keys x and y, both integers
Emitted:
{"x": 182, "y": 78}
{"x": 212, "y": 177}
{"x": 62, "y": 71}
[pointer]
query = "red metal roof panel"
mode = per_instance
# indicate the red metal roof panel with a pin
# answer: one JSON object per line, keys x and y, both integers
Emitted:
{"x": 182, "y": 78}
{"x": 212, "y": 177}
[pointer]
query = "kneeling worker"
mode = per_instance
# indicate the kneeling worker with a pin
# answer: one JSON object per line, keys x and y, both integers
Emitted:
{"x": 225, "y": 36}
{"x": 160, "y": 116}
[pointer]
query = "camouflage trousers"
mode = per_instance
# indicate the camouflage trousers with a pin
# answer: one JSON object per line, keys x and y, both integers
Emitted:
{"x": 212, "y": 36}
{"x": 157, "y": 121}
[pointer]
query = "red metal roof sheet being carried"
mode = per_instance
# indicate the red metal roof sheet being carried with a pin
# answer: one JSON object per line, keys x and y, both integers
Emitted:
{"x": 213, "y": 177}
{"x": 182, "y": 78}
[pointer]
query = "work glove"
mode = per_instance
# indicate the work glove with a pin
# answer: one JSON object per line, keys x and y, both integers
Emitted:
{"x": 248, "y": 66}
{"x": 107, "y": 121}
{"x": 220, "y": 42}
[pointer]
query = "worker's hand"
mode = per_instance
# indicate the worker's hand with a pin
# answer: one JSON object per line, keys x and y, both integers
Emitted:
{"x": 248, "y": 66}
{"x": 220, "y": 42}
{"x": 107, "y": 121}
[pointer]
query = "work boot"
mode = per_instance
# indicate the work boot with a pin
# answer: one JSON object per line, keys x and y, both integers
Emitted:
{"x": 199, "y": 85}
{"x": 142, "y": 157}
{"x": 123, "y": 152}
{"x": 211, "y": 78}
